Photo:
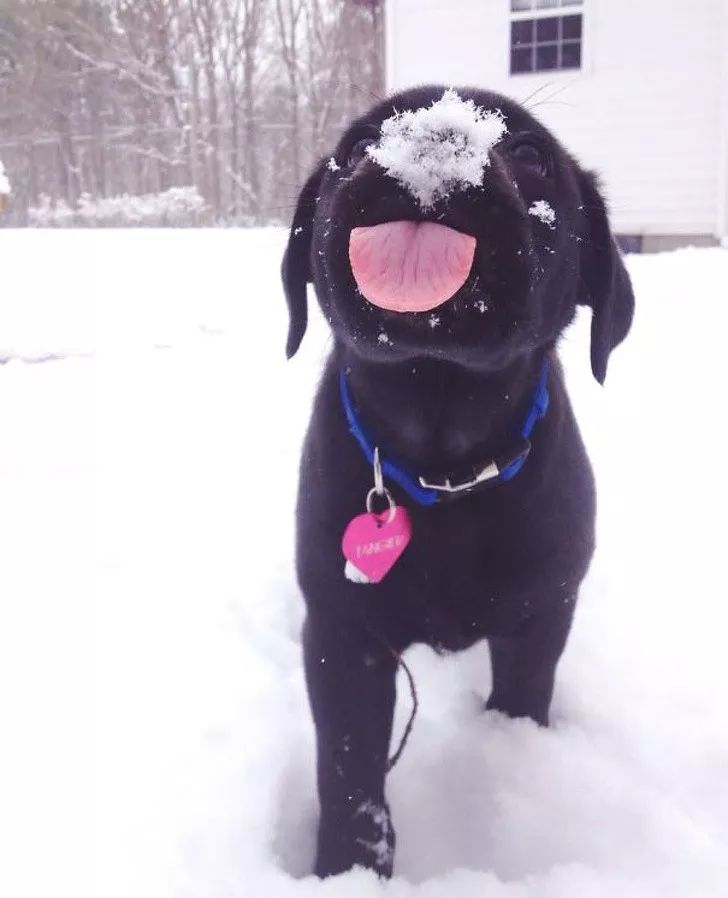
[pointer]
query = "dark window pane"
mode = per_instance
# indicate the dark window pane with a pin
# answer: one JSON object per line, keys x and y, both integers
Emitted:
{"x": 546, "y": 4}
{"x": 570, "y": 27}
{"x": 571, "y": 55}
{"x": 519, "y": 5}
{"x": 546, "y": 57}
{"x": 571, "y": 2}
{"x": 522, "y": 32}
{"x": 547, "y": 29}
{"x": 521, "y": 60}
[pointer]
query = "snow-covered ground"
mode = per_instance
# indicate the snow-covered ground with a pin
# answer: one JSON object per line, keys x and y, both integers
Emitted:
{"x": 156, "y": 737}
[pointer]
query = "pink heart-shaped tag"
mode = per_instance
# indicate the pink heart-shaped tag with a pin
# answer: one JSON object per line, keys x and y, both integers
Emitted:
{"x": 372, "y": 543}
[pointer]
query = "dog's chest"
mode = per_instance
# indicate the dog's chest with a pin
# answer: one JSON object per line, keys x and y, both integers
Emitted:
{"x": 470, "y": 571}
{"x": 475, "y": 566}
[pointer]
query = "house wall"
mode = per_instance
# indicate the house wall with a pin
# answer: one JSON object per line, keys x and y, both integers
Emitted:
{"x": 647, "y": 110}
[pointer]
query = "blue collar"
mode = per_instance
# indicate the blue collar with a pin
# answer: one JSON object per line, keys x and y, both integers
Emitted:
{"x": 427, "y": 493}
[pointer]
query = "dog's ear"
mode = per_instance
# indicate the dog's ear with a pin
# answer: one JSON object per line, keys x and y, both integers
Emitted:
{"x": 606, "y": 286}
{"x": 296, "y": 266}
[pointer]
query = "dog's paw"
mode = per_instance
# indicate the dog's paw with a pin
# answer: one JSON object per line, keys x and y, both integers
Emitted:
{"x": 519, "y": 707}
{"x": 366, "y": 840}
{"x": 379, "y": 844}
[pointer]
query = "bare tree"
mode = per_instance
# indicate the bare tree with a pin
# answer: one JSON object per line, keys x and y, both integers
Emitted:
{"x": 232, "y": 97}
{"x": 289, "y": 16}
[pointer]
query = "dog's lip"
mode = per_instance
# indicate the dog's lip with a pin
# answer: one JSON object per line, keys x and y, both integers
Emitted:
{"x": 410, "y": 266}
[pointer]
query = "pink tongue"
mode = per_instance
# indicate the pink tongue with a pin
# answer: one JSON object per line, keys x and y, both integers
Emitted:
{"x": 408, "y": 266}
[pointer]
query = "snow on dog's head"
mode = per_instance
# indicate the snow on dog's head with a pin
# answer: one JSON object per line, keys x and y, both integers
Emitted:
{"x": 432, "y": 150}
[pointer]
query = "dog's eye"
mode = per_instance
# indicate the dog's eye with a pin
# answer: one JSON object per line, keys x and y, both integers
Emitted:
{"x": 529, "y": 155}
{"x": 358, "y": 151}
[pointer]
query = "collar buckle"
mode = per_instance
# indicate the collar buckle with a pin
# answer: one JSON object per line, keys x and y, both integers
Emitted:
{"x": 489, "y": 472}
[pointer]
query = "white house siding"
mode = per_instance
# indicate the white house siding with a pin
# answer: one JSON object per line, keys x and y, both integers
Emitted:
{"x": 647, "y": 110}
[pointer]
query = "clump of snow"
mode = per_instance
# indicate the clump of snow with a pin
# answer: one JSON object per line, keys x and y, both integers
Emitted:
{"x": 435, "y": 149}
{"x": 4, "y": 182}
{"x": 333, "y": 165}
{"x": 544, "y": 212}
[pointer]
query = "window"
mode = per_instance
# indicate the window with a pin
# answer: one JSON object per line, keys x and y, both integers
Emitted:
{"x": 545, "y": 36}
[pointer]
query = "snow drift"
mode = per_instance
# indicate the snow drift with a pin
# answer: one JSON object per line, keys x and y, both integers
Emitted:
{"x": 148, "y": 485}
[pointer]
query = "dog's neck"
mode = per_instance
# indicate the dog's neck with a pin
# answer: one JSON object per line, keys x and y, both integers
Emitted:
{"x": 438, "y": 415}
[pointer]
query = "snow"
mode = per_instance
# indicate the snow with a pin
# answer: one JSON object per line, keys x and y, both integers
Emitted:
{"x": 4, "y": 182}
{"x": 544, "y": 212}
{"x": 438, "y": 148}
{"x": 333, "y": 165}
{"x": 155, "y": 728}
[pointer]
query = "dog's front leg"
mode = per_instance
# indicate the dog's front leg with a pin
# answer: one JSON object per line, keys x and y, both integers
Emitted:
{"x": 524, "y": 665}
{"x": 351, "y": 685}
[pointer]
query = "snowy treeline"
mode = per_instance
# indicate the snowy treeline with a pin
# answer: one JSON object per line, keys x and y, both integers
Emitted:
{"x": 176, "y": 207}
{"x": 232, "y": 99}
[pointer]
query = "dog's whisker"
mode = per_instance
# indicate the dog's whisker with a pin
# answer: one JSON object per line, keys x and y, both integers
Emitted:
{"x": 548, "y": 102}
{"x": 556, "y": 93}
{"x": 538, "y": 90}
{"x": 345, "y": 82}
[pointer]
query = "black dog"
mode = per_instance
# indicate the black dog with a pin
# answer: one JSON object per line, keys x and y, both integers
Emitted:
{"x": 503, "y": 517}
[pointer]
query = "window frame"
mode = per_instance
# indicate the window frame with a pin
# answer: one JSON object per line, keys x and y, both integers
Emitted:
{"x": 563, "y": 9}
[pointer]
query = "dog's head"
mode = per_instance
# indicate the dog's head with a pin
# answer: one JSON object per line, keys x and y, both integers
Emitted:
{"x": 452, "y": 224}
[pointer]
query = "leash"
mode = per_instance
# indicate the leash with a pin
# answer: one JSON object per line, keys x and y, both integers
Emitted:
{"x": 413, "y": 694}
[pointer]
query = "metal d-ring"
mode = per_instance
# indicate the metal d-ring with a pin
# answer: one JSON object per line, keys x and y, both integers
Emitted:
{"x": 390, "y": 501}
